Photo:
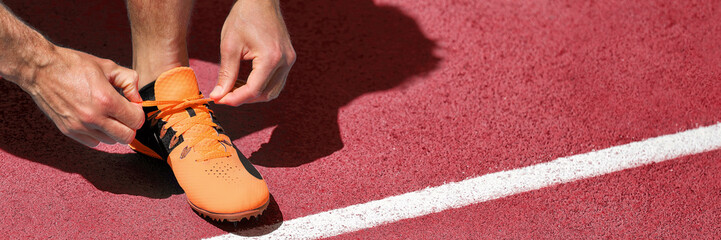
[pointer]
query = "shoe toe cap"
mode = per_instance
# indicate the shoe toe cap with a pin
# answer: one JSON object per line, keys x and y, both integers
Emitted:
{"x": 222, "y": 187}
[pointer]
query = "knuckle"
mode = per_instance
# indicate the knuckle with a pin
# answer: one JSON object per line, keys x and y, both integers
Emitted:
{"x": 107, "y": 62}
{"x": 256, "y": 93}
{"x": 292, "y": 56}
{"x": 227, "y": 47}
{"x": 102, "y": 99}
{"x": 65, "y": 130}
{"x": 264, "y": 98}
{"x": 128, "y": 137}
{"x": 275, "y": 57}
{"x": 73, "y": 128}
{"x": 90, "y": 70}
{"x": 134, "y": 76}
{"x": 85, "y": 116}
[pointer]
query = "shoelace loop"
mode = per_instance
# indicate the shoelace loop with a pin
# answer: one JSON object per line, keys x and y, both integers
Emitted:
{"x": 182, "y": 124}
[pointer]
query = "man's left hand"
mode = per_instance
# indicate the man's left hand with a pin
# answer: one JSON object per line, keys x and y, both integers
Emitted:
{"x": 254, "y": 30}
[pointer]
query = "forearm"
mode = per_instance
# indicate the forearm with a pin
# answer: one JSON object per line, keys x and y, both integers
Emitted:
{"x": 22, "y": 49}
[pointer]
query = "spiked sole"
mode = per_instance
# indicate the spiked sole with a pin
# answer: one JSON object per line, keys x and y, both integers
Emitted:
{"x": 231, "y": 217}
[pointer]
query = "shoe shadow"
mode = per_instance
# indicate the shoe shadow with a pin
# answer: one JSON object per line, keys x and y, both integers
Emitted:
{"x": 271, "y": 220}
{"x": 345, "y": 49}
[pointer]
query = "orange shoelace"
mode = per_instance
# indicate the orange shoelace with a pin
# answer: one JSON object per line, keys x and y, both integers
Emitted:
{"x": 181, "y": 125}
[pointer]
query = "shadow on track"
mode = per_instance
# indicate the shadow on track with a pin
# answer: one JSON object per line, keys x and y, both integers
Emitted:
{"x": 345, "y": 49}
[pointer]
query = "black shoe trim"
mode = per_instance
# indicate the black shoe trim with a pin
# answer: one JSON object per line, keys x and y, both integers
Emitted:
{"x": 147, "y": 135}
{"x": 147, "y": 93}
{"x": 168, "y": 138}
{"x": 248, "y": 166}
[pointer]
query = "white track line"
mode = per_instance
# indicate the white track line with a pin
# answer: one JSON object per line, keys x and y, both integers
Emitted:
{"x": 491, "y": 186}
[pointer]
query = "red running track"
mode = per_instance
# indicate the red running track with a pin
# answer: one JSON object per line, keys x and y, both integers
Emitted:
{"x": 389, "y": 97}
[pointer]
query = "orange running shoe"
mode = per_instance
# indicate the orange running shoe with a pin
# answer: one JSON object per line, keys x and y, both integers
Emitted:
{"x": 218, "y": 180}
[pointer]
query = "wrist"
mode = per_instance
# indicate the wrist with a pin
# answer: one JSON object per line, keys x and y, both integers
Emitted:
{"x": 21, "y": 63}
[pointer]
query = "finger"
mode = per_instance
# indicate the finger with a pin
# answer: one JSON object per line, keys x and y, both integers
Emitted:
{"x": 102, "y": 137}
{"x": 129, "y": 114}
{"x": 84, "y": 139}
{"x": 116, "y": 106}
{"x": 257, "y": 80}
{"x": 279, "y": 78}
{"x": 127, "y": 80}
{"x": 121, "y": 77}
{"x": 228, "y": 73}
{"x": 116, "y": 131}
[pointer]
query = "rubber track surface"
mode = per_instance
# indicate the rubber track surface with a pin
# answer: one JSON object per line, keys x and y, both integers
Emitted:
{"x": 392, "y": 96}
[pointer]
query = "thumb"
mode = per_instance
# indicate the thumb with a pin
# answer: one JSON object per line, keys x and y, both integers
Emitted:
{"x": 227, "y": 75}
{"x": 120, "y": 77}
{"x": 129, "y": 114}
{"x": 127, "y": 80}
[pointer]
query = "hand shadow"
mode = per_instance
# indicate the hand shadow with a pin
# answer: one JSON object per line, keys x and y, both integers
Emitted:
{"x": 345, "y": 49}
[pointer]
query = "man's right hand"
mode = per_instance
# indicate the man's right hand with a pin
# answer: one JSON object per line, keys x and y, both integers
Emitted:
{"x": 76, "y": 91}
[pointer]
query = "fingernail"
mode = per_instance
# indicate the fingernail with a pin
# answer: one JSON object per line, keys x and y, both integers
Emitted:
{"x": 215, "y": 92}
{"x": 221, "y": 101}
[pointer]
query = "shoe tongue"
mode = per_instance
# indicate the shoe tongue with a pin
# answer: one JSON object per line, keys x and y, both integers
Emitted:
{"x": 176, "y": 84}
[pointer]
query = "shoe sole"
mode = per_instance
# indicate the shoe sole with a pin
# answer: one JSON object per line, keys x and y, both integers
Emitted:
{"x": 231, "y": 217}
